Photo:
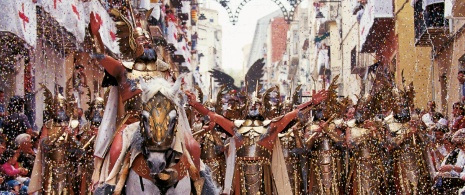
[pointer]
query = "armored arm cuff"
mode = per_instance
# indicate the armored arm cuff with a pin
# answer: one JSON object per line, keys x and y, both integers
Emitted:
{"x": 97, "y": 56}
{"x": 305, "y": 105}
{"x": 199, "y": 107}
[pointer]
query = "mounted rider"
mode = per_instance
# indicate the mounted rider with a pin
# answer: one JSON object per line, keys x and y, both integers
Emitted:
{"x": 124, "y": 106}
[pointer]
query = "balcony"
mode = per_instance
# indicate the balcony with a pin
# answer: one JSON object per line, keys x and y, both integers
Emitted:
{"x": 431, "y": 28}
{"x": 376, "y": 23}
{"x": 329, "y": 10}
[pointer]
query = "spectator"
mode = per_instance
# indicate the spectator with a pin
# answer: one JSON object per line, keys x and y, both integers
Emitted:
{"x": 453, "y": 165}
{"x": 13, "y": 172}
{"x": 156, "y": 13}
{"x": 170, "y": 17}
{"x": 3, "y": 186}
{"x": 2, "y": 108}
{"x": 458, "y": 121}
{"x": 441, "y": 144}
{"x": 461, "y": 78}
{"x": 16, "y": 122}
{"x": 431, "y": 117}
{"x": 194, "y": 40}
{"x": 27, "y": 154}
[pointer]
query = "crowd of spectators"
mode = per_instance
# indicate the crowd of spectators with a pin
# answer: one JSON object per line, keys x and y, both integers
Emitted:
{"x": 18, "y": 145}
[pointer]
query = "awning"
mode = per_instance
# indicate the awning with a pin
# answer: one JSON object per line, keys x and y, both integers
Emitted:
{"x": 19, "y": 17}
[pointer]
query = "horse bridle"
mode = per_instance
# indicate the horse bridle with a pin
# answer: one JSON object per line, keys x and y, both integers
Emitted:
{"x": 167, "y": 177}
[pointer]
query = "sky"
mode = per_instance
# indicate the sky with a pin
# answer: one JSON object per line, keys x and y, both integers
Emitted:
{"x": 235, "y": 37}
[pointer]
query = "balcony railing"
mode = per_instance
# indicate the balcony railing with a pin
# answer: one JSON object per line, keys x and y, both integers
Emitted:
{"x": 376, "y": 23}
{"x": 431, "y": 28}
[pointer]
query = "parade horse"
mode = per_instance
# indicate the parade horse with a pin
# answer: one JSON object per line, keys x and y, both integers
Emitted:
{"x": 165, "y": 142}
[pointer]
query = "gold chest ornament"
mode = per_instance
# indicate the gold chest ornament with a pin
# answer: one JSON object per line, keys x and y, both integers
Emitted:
{"x": 252, "y": 129}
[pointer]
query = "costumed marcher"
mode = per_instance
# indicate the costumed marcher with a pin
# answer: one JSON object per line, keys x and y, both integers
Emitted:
{"x": 58, "y": 140}
{"x": 325, "y": 141}
{"x": 113, "y": 165}
{"x": 289, "y": 139}
{"x": 293, "y": 151}
{"x": 212, "y": 151}
{"x": 410, "y": 169}
{"x": 87, "y": 135}
{"x": 365, "y": 143}
{"x": 253, "y": 146}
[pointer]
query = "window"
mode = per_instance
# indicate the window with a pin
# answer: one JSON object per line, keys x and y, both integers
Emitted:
{"x": 462, "y": 62}
{"x": 393, "y": 63}
{"x": 353, "y": 58}
{"x": 211, "y": 20}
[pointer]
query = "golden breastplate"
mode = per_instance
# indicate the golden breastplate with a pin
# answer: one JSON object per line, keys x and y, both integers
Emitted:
{"x": 251, "y": 132}
{"x": 209, "y": 147}
{"x": 55, "y": 130}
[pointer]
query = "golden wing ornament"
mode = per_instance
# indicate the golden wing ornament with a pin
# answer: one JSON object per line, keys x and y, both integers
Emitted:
{"x": 125, "y": 33}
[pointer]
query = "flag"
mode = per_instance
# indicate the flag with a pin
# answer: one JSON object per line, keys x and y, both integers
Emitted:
{"x": 19, "y": 18}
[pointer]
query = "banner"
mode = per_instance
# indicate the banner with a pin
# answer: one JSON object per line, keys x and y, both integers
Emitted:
{"x": 69, "y": 14}
{"x": 107, "y": 25}
{"x": 19, "y": 18}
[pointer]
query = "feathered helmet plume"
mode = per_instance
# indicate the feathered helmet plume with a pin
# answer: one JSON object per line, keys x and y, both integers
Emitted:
{"x": 57, "y": 102}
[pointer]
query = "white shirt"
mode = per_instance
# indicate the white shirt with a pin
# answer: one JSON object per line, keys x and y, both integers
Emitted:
{"x": 428, "y": 120}
{"x": 460, "y": 161}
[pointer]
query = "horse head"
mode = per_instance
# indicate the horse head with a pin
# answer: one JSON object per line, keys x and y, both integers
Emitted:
{"x": 158, "y": 126}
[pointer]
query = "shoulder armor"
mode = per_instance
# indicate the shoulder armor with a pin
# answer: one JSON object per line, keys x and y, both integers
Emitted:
{"x": 267, "y": 122}
{"x": 238, "y": 123}
{"x": 351, "y": 123}
{"x": 338, "y": 122}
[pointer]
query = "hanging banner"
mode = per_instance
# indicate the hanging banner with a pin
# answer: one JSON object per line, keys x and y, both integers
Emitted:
{"x": 69, "y": 14}
{"x": 172, "y": 35}
{"x": 19, "y": 18}
{"x": 107, "y": 25}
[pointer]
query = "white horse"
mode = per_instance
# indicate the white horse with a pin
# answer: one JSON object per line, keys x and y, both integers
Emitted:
{"x": 165, "y": 141}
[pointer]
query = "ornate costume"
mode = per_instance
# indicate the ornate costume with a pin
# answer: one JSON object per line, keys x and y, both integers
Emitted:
{"x": 87, "y": 135}
{"x": 325, "y": 165}
{"x": 325, "y": 160}
{"x": 410, "y": 167}
{"x": 292, "y": 148}
{"x": 54, "y": 160}
{"x": 140, "y": 63}
{"x": 254, "y": 142}
{"x": 366, "y": 169}
{"x": 212, "y": 154}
